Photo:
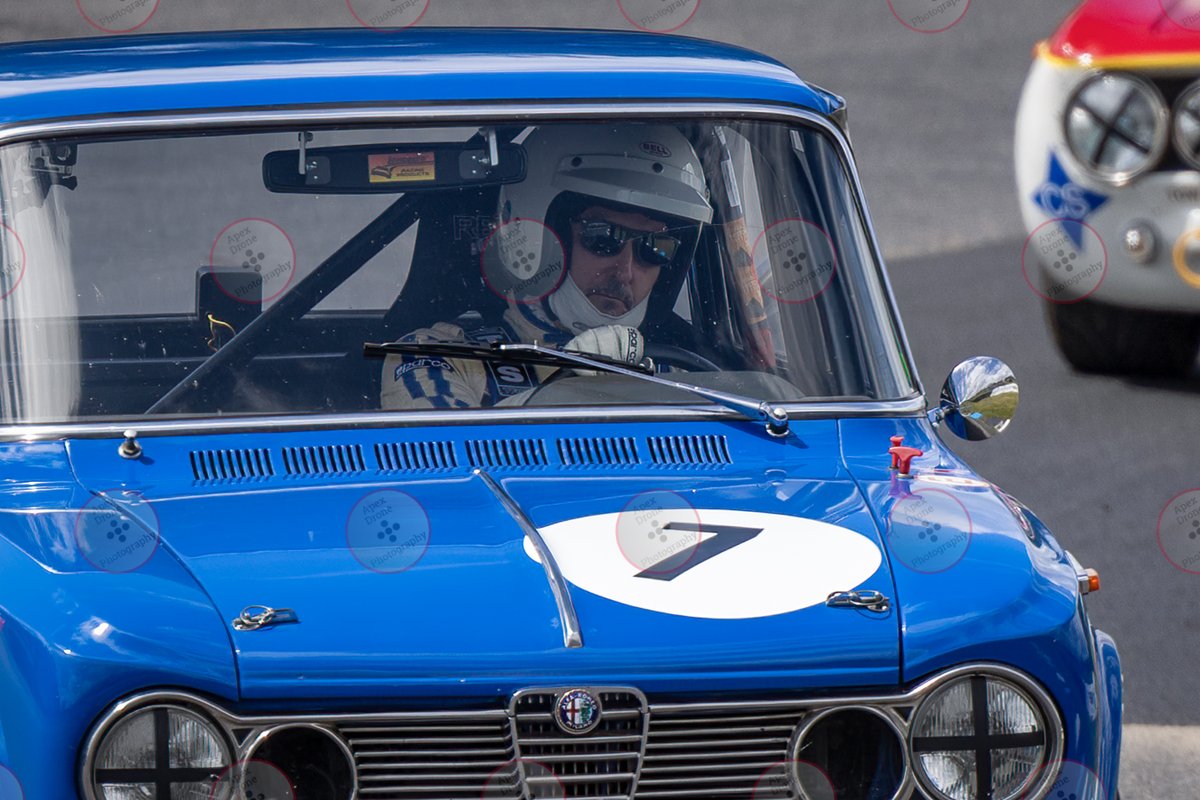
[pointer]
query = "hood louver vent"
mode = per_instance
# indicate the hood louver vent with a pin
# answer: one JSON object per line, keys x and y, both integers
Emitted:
{"x": 510, "y": 453}
{"x": 598, "y": 452}
{"x": 413, "y": 456}
{"x": 227, "y": 465}
{"x": 689, "y": 451}
{"x": 330, "y": 459}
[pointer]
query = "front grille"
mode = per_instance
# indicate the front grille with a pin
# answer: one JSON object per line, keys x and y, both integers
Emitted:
{"x": 680, "y": 751}
{"x": 713, "y": 753}
{"x": 439, "y": 757}
{"x": 601, "y": 763}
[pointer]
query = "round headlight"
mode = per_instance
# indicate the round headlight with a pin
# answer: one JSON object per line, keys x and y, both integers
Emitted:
{"x": 160, "y": 745}
{"x": 1116, "y": 126}
{"x": 977, "y": 732}
{"x": 1187, "y": 125}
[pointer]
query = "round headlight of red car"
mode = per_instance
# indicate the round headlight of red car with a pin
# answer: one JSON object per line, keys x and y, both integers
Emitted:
{"x": 1187, "y": 125}
{"x": 1116, "y": 126}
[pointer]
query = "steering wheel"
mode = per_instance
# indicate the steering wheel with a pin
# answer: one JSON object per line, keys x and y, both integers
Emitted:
{"x": 679, "y": 357}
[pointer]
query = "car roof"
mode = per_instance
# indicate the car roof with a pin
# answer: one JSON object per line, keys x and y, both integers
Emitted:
{"x": 1123, "y": 34}
{"x": 159, "y": 73}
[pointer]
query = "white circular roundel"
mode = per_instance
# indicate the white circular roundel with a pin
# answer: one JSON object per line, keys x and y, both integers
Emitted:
{"x": 711, "y": 563}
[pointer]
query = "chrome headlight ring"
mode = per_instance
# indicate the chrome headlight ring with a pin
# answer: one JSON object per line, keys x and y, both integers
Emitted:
{"x": 984, "y": 726}
{"x": 1116, "y": 126}
{"x": 1186, "y": 125}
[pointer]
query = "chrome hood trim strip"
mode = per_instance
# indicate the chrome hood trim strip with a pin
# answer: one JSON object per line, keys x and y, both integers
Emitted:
{"x": 572, "y": 635}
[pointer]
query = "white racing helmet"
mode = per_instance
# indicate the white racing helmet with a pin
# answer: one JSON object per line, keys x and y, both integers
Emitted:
{"x": 643, "y": 167}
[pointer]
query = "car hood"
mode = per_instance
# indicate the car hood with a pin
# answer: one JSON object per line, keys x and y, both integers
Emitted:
{"x": 425, "y": 580}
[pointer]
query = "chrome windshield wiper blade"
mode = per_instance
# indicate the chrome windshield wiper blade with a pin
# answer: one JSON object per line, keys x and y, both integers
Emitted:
{"x": 774, "y": 417}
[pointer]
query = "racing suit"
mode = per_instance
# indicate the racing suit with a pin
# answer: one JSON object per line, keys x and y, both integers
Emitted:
{"x": 415, "y": 381}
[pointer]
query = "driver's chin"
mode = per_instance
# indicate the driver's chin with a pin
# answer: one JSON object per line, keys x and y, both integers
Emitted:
{"x": 608, "y": 305}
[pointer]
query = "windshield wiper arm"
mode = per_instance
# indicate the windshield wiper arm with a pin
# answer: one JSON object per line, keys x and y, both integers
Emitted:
{"x": 774, "y": 417}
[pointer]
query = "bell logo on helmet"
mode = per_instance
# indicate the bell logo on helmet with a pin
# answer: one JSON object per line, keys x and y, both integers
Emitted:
{"x": 657, "y": 150}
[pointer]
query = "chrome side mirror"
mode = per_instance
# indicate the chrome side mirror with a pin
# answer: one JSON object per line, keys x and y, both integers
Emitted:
{"x": 978, "y": 400}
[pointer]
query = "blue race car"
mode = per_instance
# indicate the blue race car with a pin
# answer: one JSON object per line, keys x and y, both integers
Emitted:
{"x": 493, "y": 414}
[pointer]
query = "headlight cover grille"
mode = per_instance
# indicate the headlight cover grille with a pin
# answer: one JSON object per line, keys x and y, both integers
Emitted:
{"x": 160, "y": 744}
{"x": 979, "y": 731}
{"x": 1116, "y": 126}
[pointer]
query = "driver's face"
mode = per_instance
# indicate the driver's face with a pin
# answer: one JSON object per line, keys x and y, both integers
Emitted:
{"x": 614, "y": 284}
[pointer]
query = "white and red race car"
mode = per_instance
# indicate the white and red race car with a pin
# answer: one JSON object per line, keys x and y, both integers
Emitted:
{"x": 1108, "y": 173}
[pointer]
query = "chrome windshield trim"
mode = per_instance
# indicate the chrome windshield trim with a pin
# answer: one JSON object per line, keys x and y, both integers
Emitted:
{"x": 483, "y": 113}
{"x": 572, "y": 634}
{"x": 910, "y": 407}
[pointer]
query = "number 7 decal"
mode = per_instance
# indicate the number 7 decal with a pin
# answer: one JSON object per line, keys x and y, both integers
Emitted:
{"x": 726, "y": 537}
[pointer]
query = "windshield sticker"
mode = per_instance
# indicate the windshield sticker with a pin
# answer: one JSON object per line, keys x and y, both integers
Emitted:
{"x": 385, "y": 15}
{"x": 660, "y": 553}
{"x": 523, "y": 261}
{"x": 794, "y": 261}
{"x": 402, "y": 167}
{"x": 117, "y": 16}
{"x": 659, "y": 16}
{"x": 1063, "y": 271}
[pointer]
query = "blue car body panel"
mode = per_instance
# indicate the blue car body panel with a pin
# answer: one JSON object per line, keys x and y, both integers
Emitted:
{"x": 256, "y": 69}
{"x": 474, "y": 619}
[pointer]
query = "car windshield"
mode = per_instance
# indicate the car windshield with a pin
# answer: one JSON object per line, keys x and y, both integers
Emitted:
{"x": 242, "y": 272}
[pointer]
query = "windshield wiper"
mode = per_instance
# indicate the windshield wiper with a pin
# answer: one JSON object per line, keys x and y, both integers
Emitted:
{"x": 774, "y": 417}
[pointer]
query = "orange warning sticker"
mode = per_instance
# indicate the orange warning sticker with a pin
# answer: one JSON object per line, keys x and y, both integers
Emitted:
{"x": 402, "y": 167}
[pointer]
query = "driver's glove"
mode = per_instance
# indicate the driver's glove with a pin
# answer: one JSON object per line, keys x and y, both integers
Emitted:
{"x": 618, "y": 342}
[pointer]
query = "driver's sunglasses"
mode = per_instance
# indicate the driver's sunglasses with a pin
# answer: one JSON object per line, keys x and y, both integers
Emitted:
{"x": 606, "y": 239}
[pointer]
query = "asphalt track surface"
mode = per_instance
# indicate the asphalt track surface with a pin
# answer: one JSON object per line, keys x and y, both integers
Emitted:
{"x": 931, "y": 115}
